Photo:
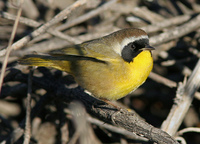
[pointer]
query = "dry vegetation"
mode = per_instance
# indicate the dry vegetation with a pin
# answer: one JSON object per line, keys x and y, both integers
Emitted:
{"x": 40, "y": 105}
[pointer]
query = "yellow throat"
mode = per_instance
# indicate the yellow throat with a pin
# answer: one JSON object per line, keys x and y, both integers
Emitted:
{"x": 134, "y": 74}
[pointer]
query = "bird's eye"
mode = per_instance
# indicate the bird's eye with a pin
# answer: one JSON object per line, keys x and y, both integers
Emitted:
{"x": 133, "y": 46}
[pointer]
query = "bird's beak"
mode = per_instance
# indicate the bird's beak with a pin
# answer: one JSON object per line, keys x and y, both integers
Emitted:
{"x": 148, "y": 47}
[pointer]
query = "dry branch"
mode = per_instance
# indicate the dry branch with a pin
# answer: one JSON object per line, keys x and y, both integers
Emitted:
{"x": 127, "y": 120}
{"x": 184, "y": 99}
{"x": 33, "y": 23}
{"x": 9, "y": 48}
{"x": 27, "y": 133}
{"x": 190, "y": 129}
{"x": 177, "y": 32}
{"x": 87, "y": 15}
{"x": 59, "y": 17}
{"x": 167, "y": 82}
{"x": 166, "y": 23}
{"x": 23, "y": 20}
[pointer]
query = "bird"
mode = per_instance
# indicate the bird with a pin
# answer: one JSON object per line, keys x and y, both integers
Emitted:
{"x": 109, "y": 67}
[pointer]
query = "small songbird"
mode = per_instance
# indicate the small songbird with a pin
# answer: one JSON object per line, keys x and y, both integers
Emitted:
{"x": 109, "y": 67}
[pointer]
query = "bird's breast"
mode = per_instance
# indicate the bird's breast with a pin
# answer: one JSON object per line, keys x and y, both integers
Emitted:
{"x": 131, "y": 75}
{"x": 114, "y": 80}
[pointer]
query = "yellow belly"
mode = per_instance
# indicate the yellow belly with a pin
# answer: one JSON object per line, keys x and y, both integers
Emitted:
{"x": 113, "y": 80}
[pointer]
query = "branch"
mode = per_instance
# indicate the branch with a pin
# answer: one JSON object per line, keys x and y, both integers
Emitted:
{"x": 184, "y": 98}
{"x": 107, "y": 113}
{"x": 177, "y": 32}
{"x": 166, "y": 23}
{"x": 27, "y": 133}
{"x": 59, "y": 17}
{"x": 9, "y": 48}
{"x": 35, "y": 24}
{"x": 87, "y": 15}
{"x": 127, "y": 120}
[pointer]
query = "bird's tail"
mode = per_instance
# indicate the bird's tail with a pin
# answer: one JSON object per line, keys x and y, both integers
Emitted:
{"x": 45, "y": 61}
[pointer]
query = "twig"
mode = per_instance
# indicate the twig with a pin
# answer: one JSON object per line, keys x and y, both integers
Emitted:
{"x": 184, "y": 99}
{"x": 61, "y": 35}
{"x": 169, "y": 83}
{"x": 27, "y": 133}
{"x": 166, "y": 23}
{"x": 62, "y": 136}
{"x": 86, "y": 16}
{"x": 34, "y": 24}
{"x": 18, "y": 132}
{"x": 59, "y": 17}
{"x": 162, "y": 80}
{"x": 9, "y": 48}
{"x": 146, "y": 14}
{"x": 26, "y": 21}
{"x": 83, "y": 129}
{"x": 173, "y": 62}
{"x": 176, "y": 32}
{"x": 190, "y": 129}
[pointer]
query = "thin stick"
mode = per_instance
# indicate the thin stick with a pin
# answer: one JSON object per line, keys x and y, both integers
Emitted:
{"x": 184, "y": 96}
{"x": 162, "y": 80}
{"x": 168, "y": 82}
{"x": 27, "y": 133}
{"x": 177, "y": 32}
{"x": 87, "y": 15}
{"x": 26, "y": 21}
{"x": 35, "y": 24}
{"x": 166, "y": 23}
{"x": 59, "y": 17}
{"x": 9, "y": 48}
{"x": 189, "y": 129}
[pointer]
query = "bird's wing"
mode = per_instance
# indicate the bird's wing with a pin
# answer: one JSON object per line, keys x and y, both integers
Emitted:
{"x": 95, "y": 50}
{"x": 61, "y": 59}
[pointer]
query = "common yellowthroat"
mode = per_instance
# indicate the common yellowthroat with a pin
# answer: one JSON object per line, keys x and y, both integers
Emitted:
{"x": 109, "y": 67}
